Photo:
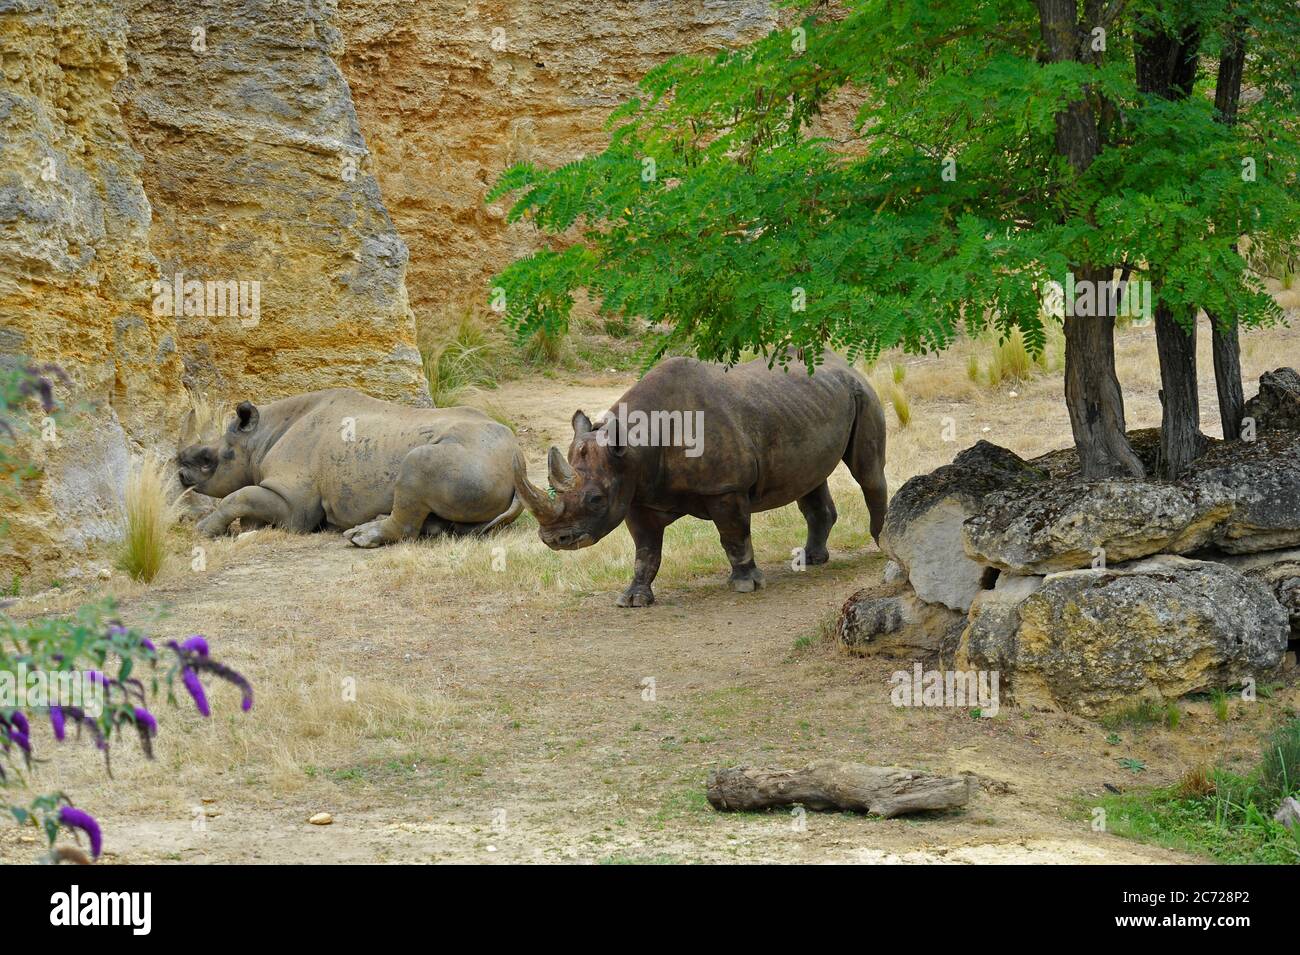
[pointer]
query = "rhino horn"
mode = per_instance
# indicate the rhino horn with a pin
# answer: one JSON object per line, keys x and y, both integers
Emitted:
{"x": 563, "y": 478}
{"x": 544, "y": 507}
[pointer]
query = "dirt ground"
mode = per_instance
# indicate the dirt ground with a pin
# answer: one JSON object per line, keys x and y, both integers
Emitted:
{"x": 439, "y": 719}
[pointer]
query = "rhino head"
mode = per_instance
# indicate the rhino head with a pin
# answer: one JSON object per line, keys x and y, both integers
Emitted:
{"x": 225, "y": 465}
{"x": 593, "y": 487}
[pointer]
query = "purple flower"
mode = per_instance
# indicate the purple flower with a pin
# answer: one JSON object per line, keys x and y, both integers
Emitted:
{"x": 246, "y": 703}
{"x": 191, "y": 680}
{"x": 56, "y": 721}
{"x": 116, "y": 630}
{"x": 144, "y": 718}
{"x": 19, "y": 719}
{"x": 19, "y": 737}
{"x": 74, "y": 818}
{"x": 94, "y": 676}
{"x": 148, "y": 645}
{"x": 196, "y": 644}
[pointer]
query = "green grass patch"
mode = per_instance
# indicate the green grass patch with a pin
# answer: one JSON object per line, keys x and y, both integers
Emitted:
{"x": 1221, "y": 814}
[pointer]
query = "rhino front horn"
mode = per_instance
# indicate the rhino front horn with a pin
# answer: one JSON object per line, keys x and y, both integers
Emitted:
{"x": 562, "y": 476}
{"x": 545, "y": 508}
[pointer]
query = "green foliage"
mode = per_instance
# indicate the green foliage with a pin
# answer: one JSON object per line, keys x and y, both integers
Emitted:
{"x": 715, "y": 211}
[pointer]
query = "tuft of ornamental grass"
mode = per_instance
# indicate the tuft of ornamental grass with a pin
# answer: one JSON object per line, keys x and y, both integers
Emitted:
{"x": 468, "y": 359}
{"x": 149, "y": 514}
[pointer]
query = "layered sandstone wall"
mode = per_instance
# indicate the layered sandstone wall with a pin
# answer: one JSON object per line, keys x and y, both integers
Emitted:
{"x": 75, "y": 272}
{"x": 451, "y": 92}
{"x": 258, "y": 173}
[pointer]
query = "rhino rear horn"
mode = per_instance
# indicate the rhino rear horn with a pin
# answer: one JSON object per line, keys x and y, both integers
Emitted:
{"x": 545, "y": 508}
{"x": 563, "y": 477}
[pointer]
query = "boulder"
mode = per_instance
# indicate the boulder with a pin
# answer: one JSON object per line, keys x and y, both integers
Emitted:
{"x": 1090, "y": 641}
{"x": 1277, "y": 405}
{"x": 1239, "y": 497}
{"x": 1065, "y": 525}
{"x": 923, "y": 528}
{"x": 1282, "y": 578}
{"x": 890, "y": 620}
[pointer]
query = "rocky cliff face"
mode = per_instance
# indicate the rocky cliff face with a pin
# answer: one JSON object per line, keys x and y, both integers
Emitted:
{"x": 75, "y": 270}
{"x": 451, "y": 92}
{"x": 259, "y": 176}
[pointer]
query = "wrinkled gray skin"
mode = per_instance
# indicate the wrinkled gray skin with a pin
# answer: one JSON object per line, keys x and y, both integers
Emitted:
{"x": 771, "y": 437}
{"x": 404, "y": 472}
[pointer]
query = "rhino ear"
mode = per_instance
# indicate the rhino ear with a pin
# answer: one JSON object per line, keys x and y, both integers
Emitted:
{"x": 581, "y": 424}
{"x": 614, "y": 438}
{"x": 246, "y": 416}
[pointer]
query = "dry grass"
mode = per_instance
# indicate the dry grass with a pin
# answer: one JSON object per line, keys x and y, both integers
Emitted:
{"x": 516, "y": 560}
{"x": 149, "y": 513}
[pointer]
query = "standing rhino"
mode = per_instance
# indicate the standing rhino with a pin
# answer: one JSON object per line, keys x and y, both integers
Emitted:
{"x": 342, "y": 459}
{"x": 746, "y": 439}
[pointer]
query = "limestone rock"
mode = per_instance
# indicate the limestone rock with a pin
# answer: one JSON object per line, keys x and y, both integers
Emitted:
{"x": 923, "y": 527}
{"x": 1277, "y": 405}
{"x": 257, "y": 171}
{"x": 1066, "y": 525}
{"x": 75, "y": 268}
{"x": 890, "y": 620}
{"x": 1282, "y": 577}
{"x": 1238, "y": 497}
{"x": 1090, "y": 641}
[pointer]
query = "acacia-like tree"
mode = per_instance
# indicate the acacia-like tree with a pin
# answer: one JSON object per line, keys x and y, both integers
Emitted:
{"x": 1001, "y": 144}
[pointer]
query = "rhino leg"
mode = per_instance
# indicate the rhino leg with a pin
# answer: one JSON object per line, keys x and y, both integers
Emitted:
{"x": 253, "y": 504}
{"x": 647, "y": 530}
{"x": 818, "y": 509}
{"x": 730, "y": 512}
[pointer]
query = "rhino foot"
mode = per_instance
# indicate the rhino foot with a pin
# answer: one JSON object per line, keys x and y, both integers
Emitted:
{"x": 369, "y": 534}
{"x": 636, "y": 596}
{"x": 746, "y": 581}
{"x": 213, "y": 525}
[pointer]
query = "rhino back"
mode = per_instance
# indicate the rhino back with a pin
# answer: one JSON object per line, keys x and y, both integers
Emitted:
{"x": 775, "y": 433}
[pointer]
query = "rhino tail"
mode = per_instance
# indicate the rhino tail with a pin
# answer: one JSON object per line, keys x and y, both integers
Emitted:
{"x": 505, "y": 518}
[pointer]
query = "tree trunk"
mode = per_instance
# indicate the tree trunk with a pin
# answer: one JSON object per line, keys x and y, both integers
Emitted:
{"x": 1092, "y": 391}
{"x": 883, "y": 790}
{"x": 1224, "y": 334}
{"x": 1227, "y": 376}
{"x": 1094, "y": 398}
{"x": 1165, "y": 65}
{"x": 1181, "y": 441}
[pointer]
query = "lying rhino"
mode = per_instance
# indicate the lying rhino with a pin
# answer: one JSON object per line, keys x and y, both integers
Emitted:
{"x": 342, "y": 459}
{"x": 737, "y": 441}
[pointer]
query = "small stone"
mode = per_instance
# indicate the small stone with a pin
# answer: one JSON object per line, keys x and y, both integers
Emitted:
{"x": 1288, "y": 813}
{"x": 321, "y": 819}
{"x": 105, "y": 573}
{"x": 491, "y": 848}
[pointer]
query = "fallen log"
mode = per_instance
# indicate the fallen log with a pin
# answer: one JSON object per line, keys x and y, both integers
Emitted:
{"x": 826, "y": 784}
